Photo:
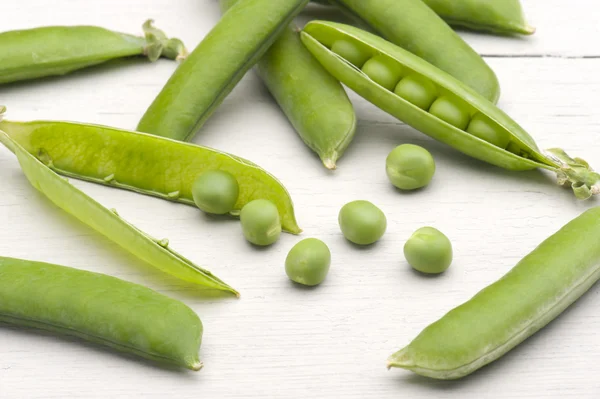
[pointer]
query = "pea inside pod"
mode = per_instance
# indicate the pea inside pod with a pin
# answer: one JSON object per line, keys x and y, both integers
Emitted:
{"x": 457, "y": 116}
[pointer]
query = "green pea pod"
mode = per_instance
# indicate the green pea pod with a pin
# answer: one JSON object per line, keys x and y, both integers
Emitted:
{"x": 58, "y": 50}
{"x": 504, "y": 314}
{"x": 109, "y": 223}
{"x": 217, "y": 64}
{"x": 143, "y": 163}
{"x": 315, "y": 103}
{"x": 440, "y": 106}
{"x": 101, "y": 309}
{"x": 413, "y": 26}
{"x": 503, "y": 17}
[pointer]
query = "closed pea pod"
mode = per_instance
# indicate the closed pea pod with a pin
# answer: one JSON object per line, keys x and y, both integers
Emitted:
{"x": 101, "y": 309}
{"x": 58, "y": 50}
{"x": 315, "y": 103}
{"x": 449, "y": 117}
{"x": 506, "y": 313}
{"x": 144, "y": 163}
{"x": 216, "y": 65}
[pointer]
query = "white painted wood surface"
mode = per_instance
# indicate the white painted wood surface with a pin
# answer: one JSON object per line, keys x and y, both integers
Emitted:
{"x": 278, "y": 340}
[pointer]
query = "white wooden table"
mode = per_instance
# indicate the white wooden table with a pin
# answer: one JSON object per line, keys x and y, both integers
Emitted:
{"x": 278, "y": 340}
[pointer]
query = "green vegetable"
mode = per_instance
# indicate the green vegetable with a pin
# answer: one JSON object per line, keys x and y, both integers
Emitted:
{"x": 260, "y": 222}
{"x": 362, "y": 222}
{"x": 409, "y": 167}
{"x": 108, "y": 223}
{"x": 308, "y": 262}
{"x": 452, "y": 111}
{"x": 314, "y": 101}
{"x": 144, "y": 163}
{"x": 429, "y": 251}
{"x": 417, "y": 91}
{"x": 101, "y": 309}
{"x": 58, "y": 50}
{"x": 382, "y": 71}
{"x": 413, "y": 26}
{"x": 505, "y": 16}
{"x": 216, "y": 191}
{"x": 217, "y": 64}
{"x": 504, "y": 314}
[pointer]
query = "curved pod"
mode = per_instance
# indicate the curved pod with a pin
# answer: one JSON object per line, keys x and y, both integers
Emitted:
{"x": 143, "y": 163}
{"x": 218, "y": 63}
{"x": 58, "y": 50}
{"x": 101, "y": 309}
{"x": 504, "y": 314}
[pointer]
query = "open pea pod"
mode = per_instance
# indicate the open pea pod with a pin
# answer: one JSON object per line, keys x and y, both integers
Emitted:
{"x": 143, "y": 163}
{"x": 109, "y": 223}
{"x": 437, "y": 104}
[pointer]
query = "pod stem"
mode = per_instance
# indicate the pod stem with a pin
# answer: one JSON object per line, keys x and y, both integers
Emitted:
{"x": 158, "y": 44}
{"x": 575, "y": 172}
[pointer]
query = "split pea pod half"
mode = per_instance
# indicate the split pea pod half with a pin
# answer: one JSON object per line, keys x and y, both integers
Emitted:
{"x": 413, "y": 26}
{"x": 315, "y": 103}
{"x": 505, "y": 17}
{"x": 437, "y": 104}
{"x": 58, "y": 50}
{"x": 107, "y": 222}
{"x": 101, "y": 309}
{"x": 144, "y": 163}
{"x": 216, "y": 65}
{"x": 504, "y": 314}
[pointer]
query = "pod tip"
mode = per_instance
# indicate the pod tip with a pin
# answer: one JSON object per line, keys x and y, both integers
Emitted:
{"x": 197, "y": 365}
{"x": 530, "y": 30}
{"x": 329, "y": 164}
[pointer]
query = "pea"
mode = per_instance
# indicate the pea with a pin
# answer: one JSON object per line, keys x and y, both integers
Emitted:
{"x": 260, "y": 222}
{"x": 216, "y": 191}
{"x": 417, "y": 91}
{"x": 428, "y": 250}
{"x": 351, "y": 51}
{"x": 483, "y": 127}
{"x": 362, "y": 222}
{"x": 451, "y": 110}
{"x": 383, "y": 71}
{"x": 409, "y": 167}
{"x": 308, "y": 262}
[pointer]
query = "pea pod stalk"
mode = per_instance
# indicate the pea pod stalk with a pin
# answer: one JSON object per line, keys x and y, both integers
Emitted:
{"x": 454, "y": 114}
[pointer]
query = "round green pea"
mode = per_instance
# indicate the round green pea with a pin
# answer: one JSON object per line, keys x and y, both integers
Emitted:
{"x": 383, "y": 71}
{"x": 215, "y": 191}
{"x": 351, "y": 51}
{"x": 260, "y": 222}
{"x": 362, "y": 222}
{"x": 308, "y": 262}
{"x": 483, "y": 127}
{"x": 417, "y": 90}
{"x": 409, "y": 167}
{"x": 428, "y": 250}
{"x": 451, "y": 110}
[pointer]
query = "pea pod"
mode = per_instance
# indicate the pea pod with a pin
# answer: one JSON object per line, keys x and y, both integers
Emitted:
{"x": 315, "y": 103}
{"x": 413, "y": 26}
{"x": 504, "y": 314}
{"x": 217, "y": 64}
{"x": 101, "y": 309}
{"x": 439, "y": 105}
{"x": 503, "y": 17}
{"x": 109, "y": 223}
{"x": 143, "y": 163}
{"x": 58, "y": 50}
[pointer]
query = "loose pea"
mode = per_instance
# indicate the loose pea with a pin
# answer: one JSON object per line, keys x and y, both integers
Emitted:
{"x": 260, "y": 222}
{"x": 351, "y": 52}
{"x": 417, "y": 90}
{"x": 308, "y": 262}
{"x": 428, "y": 250}
{"x": 383, "y": 71}
{"x": 216, "y": 191}
{"x": 483, "y": 127}
{"x": 362, "y": 222}
{"x": 409, "y": 167}
{"x": 451, "y": 110}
